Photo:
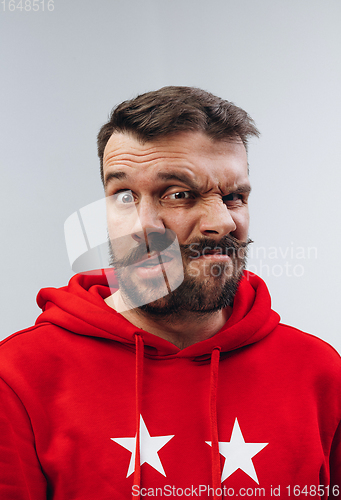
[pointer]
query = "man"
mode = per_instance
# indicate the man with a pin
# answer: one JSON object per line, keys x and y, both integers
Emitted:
{"x": 169, "y": 376}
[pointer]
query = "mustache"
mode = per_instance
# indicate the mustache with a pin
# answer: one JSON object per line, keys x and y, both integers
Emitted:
{"x": 150, "y": 243}
{"x": 227, "y": 245}
{"x": 157, "y": 243}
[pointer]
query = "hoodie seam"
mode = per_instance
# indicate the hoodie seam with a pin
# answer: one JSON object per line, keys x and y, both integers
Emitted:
{"x": 22, "y": 332}
{"x": 311, "y": 335}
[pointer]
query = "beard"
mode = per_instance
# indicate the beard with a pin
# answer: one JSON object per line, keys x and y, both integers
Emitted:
{"x": 206, "y": 287}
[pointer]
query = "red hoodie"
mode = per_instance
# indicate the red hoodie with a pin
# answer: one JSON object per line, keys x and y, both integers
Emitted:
{"x": 252, "y": 411}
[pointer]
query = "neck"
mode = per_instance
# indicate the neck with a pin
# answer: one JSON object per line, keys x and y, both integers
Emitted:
{"x": 181, "y": 329}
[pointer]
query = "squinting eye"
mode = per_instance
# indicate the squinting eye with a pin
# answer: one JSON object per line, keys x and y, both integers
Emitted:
{"x": 124, "y": 197}
{"x": 181, "y": 195}
{"x": 232, "y": 197}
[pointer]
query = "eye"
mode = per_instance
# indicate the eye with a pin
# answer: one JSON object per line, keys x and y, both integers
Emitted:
{"x": 124, "y": 197}
{"x": 232, "y": 197}
{"x": 181, "y": 195}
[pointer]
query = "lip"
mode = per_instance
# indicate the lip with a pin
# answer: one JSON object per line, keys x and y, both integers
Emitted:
{"x": 215, "y": 256}
{"x": 152, "y": 255}
{"x": 154, "y": 271}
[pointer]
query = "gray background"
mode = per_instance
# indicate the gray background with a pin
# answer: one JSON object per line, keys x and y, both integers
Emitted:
{"x": 63, "y": 71}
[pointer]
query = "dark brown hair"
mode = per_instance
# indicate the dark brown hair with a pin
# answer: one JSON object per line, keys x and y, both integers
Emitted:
{"x": 172, "y": 110}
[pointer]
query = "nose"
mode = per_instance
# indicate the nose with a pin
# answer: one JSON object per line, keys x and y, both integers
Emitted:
{"x": 148, "y": 221}
{"x": 217, "y": 221}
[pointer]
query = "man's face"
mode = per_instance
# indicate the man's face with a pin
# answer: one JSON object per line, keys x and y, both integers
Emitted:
{"x": 187, "y": 184}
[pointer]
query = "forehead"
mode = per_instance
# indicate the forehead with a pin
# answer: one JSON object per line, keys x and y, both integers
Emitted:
{"x": 193, "y": 153}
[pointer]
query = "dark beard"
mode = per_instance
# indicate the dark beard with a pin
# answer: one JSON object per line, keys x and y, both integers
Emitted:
{"x": 200, "y": 295}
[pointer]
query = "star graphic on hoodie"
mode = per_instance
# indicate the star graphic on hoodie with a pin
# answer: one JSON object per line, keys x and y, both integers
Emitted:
{"x": 149, "y": 447}
{"x": 239, "y": 454}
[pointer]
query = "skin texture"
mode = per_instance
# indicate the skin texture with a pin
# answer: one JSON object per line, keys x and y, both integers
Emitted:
{"x": 210, "y": 200}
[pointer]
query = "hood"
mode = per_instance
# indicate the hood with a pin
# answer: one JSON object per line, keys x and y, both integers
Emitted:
{"x": 80, "y": 308}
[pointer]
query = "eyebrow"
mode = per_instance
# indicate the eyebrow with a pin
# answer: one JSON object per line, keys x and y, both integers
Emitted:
{"x": 165, "y": 176}
{"x": 114, "y": 175}
{"x": 243, "y": 188}
{"x": 172, "y": 176}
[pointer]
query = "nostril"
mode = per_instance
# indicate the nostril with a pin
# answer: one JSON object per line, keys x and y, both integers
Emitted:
{"x": 211, "y": 231}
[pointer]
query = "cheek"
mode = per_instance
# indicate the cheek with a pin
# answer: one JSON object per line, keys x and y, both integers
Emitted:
{"x": 122, "y": 222}
{"x": 121, "y": 239}
{"x": 182, "y": 222}
{"x": 242, "y": 221}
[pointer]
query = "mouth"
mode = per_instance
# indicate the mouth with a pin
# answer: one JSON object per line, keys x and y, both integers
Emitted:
{"x": 155, "y": 259}
{"x": 153, "y": 266}
{"x": 216, "y": 255}
{"x": 214, "y": 251}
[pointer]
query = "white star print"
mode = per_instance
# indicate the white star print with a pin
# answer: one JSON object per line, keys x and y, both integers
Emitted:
{"x": 239, "y": 454}
{"x": 149, "y": 447}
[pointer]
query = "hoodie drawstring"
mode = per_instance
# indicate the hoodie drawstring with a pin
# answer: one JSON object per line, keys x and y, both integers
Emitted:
{"x": 139, "y": 353}
{"x": 216, "y": 470}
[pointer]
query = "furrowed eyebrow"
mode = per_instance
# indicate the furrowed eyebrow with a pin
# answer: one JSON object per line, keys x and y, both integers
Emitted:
{"x": 171, "y": 176}
{"x": 244, "y": 188}
{"x": 114, "y": 175}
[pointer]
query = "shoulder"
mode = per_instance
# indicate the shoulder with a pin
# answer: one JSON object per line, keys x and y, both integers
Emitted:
{"x": 306, "y": 341}
{"x": 30, "y": 338}
{"x": 311, "y": 354}
{"x": 35, "y": 348}
{"x": 25, "y": 337}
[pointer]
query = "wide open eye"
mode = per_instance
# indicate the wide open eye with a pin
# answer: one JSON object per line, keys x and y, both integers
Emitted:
{"x": 124, "y": 197}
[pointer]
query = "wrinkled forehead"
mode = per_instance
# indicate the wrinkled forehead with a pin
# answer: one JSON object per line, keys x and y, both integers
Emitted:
{"x": 192, "y": 150}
